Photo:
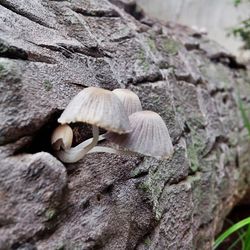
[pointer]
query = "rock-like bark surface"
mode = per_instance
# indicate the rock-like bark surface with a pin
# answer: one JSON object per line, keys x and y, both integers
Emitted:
{"x": 49, "y": 51}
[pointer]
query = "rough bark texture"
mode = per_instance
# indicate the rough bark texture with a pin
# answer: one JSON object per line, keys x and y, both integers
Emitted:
{"x": 49, "y": 51}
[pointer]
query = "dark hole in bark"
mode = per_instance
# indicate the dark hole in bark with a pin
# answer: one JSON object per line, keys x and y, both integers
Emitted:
{"x": 98, "y": 197}
{"x": 225, "y": 99}
{"x": 4, "y": 221}
{"x": 108, "y": 189}
{"x": 227, "y": 60}
{"x": 131, "y": 7}
{"x": 240, "y": 212}
{"x": 84, "y": 204}
{"x": 42, "y": 138}
{"x": 186, "y": 128}
{"x": 23, "y": 246}
{"x": 12, "y": 52}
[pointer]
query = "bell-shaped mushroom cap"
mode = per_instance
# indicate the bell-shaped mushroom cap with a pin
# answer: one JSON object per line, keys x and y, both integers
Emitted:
{"x": 149, "y": 135}
{"x": 98, "y": 107}
{"x": 62, "y": 137}
{"x": 129, "y": 99}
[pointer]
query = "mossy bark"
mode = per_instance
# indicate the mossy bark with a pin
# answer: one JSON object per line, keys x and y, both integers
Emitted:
{"x": 49, "y": 51}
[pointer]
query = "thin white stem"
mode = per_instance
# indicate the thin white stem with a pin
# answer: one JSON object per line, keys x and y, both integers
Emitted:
{"x": 77, "y": 153}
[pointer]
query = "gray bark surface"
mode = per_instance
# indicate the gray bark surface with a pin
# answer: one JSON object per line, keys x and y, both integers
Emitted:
{"x": 51, "y": 50}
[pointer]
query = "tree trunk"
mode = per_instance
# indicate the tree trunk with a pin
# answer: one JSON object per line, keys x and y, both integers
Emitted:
{"x": 51, "y": 50}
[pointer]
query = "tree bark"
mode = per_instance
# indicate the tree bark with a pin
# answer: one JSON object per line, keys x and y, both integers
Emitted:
{"x": 51, "y": 50}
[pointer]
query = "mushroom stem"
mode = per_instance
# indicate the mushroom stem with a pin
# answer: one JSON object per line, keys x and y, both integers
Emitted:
{"x": 77, "y": 153}
{"x": 101, "y": 149}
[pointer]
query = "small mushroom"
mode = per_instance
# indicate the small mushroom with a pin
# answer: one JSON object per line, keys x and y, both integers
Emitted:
{"x": 149, "y": 136}
{"x": 98, "y": 107}
{"x": 62, "y": 137}
{"x": 129, "y": 99}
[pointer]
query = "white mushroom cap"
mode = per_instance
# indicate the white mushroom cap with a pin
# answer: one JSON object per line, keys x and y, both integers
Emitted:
{"x": 62, "y": 137}
{"x": 98, "y": 107}
{"x": 149, "y": 135}
{"x": 129, "y": 99}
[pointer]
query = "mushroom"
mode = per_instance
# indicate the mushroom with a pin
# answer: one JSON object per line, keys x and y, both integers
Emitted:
{"x": 149, "y": 136}
{"x": 98, "y": 107}
{"x": 62, "y": 137}
{"x": 129, "y": 99}
{"x": 131, "y": 103}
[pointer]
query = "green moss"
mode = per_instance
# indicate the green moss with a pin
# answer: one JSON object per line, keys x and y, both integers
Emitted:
{"x": 216, "y": 73}
{"x": 135, "y": 172}
{"x": 198, "y": 141}
{"x": 144, "y": 187}
{"x": 7, "y": 68}
{"x": 143, "y": 60}
{"x": 153, "y": 191}
{"x": 196, "y": 121}
{"x": 50, "y": 214}
{"x": 194, "y": 148}
{"x": 47, "y": 85}
{"x": 151, "y": 44}
{"x": 194, "y": 178}
{"x": 193, "y": 158}
{"x": 69, "y": 245}
{"x": 171, "y": 46}
{"x": 157, "y": 184}
{"x": 233, "y": 139}
{"x": 4, "y": 69}
{"x": 60, "y": 247}
{"x": 10, "y": 73}
{"x": 3, "y": 48}
{"x": 154, "y": 184}
{"x": 147, "y": 242}
{"x": 1, "y": 68}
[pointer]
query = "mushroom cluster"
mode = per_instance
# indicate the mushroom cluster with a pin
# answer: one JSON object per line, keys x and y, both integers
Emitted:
{"x": 129, "y": 129}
